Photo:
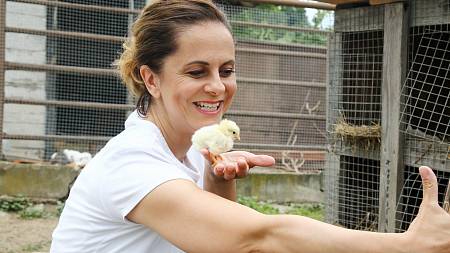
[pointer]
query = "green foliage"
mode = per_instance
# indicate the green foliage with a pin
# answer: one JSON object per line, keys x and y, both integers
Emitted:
{"x": 314, "y": 211}
{"x": 280, "y": 16}
{"x": 40, "y": 246}
{"x": 33, "y": 212}
{"x": 14, "y": 204}
{"x": 59, "y": 207}
{"x": 259, "y": 206}
{"x": 319, "y": 17}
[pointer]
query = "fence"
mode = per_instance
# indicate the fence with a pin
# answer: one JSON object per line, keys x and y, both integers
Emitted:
{"x": 60, "y": 92}
{"x": 388, "y": 112}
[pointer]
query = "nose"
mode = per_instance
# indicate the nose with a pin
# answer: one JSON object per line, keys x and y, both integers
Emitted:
{"x": 215, "y": 86}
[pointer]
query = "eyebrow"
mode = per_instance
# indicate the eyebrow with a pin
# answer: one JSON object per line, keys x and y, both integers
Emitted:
{"x": 206, "y": 63}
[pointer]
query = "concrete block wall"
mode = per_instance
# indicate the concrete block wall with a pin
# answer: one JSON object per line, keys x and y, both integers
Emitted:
{"x": 52, "y": 182}
{"x": 24, "y": 48}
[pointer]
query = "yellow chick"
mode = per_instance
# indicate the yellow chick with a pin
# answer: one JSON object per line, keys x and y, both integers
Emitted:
{"x": 217, "y": 138}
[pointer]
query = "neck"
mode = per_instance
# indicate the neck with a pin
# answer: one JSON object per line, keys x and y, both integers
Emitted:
{"x": 178, "y": 142}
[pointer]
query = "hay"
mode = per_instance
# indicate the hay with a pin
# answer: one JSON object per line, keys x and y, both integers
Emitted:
{"x": 363, "y": 132}
{"x": 367, "y": 137}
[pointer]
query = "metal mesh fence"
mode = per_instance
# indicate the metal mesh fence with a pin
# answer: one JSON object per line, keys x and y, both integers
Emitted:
{"x": 356, "y": 59}
{"x": 411, "y": 196}
{"x": 62, "y": 93}
{"x": 357, "y": 188}
{"x": 354, "y": 118}
{"x": 425, "y": 116}
{"x": 358, "y": 193}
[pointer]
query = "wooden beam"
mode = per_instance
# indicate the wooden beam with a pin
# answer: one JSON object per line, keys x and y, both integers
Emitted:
{"x": 378, "y": 2}
{"x": 343, "y": 1}
{"x": 394, "y": 73}
{"x": 294, "y": 3}
{"x": 371, "y": 2}
{"x": 332, "y": 163}
{"x": 2, "y": 66}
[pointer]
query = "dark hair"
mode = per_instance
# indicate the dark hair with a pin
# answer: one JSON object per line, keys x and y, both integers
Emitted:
{"x": 153, "y": 38}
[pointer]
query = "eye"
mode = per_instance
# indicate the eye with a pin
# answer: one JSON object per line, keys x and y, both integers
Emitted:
{"x": 227, "y": 72}
{"x": 196, "y": 73}
{"x": 234, "y": 132}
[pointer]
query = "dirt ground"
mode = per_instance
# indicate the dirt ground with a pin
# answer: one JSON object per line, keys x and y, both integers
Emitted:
{"x": 19, "y": 235}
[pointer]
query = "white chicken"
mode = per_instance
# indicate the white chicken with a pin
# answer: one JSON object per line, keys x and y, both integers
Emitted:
{"x": 217, "y": 138}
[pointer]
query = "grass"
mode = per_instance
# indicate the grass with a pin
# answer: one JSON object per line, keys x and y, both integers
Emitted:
{"x": 314, "y": 211}
{"x": 34, "y": 247}
{"x": 14, "y": 204}
{"x": 25, "y": 208}
{"x": 259, "y": 206}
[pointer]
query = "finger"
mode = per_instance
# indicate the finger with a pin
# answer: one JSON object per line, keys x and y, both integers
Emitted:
{"x": 429, "y": 184}
{"x": 242, "y": 168}
{"x": 260, "y": 160}
{"x": 219, "y": 170}
{"x": 230, "y": 171}
{"x": 205, "y": 152}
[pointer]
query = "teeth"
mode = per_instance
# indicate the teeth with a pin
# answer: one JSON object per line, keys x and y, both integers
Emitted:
{"x": 208, "y": 106}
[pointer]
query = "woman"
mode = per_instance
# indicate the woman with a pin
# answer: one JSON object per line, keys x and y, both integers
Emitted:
{"x": 148, "y": 191}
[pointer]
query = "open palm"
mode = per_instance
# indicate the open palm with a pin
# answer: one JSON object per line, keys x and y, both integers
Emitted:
{"x": 236, "y": 164}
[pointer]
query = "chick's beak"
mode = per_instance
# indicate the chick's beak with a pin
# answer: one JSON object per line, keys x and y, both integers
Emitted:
{"x": 238, "y": 137}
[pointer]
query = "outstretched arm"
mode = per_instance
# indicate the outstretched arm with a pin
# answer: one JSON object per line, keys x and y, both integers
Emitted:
{"x": 198, "y": 221}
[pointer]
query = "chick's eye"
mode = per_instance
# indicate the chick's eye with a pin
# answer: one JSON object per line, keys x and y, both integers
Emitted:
{"x": 234, "y": 132}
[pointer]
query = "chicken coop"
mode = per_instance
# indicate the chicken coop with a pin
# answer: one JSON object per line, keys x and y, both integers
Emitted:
{"x": 388, "y": 110}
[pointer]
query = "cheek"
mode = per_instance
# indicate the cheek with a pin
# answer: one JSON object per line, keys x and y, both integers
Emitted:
{"x": 231, "y": 89}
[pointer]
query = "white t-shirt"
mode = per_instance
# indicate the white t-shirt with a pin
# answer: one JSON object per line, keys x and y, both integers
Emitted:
{"x": 130, "y": 166}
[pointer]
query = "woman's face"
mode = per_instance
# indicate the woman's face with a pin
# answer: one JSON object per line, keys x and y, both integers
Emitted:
{"x": 197, "y": 82}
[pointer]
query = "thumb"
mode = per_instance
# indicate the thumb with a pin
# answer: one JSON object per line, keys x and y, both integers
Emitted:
{"x": 429, "y": 184}
{"x": 205, "y": 152}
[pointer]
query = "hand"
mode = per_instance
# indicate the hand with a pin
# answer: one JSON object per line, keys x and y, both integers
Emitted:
{"x": 236, "y": 164}
{"x": 430, "y": 230}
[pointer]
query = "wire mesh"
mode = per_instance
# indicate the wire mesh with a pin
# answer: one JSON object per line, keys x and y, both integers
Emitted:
{"x": 287, "y": 85}
{"x": 426, "y": 93}
{"x": 411, "y": 196}
{"x": 425, "y": 117}
{"x": 354, "y": 98}
{"x": 59, "y": 78}
{"x": 354, "y": 111}
{"x": 356, "y": 196}
{"x": 355, "y": 71}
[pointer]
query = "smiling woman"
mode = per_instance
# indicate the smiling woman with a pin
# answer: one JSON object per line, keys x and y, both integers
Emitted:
{"x": 149, "y": 190}
{"x": 196, "y": 83}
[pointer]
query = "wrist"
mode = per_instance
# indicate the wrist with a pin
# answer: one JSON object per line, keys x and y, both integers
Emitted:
{"x": 213, "y": 178}
{"x": 399, "y": 243}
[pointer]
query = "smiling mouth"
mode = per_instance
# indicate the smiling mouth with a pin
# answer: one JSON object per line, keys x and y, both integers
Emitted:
{"x": 208, "y": 107}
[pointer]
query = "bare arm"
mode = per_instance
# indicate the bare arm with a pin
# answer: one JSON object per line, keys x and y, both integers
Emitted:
{"x": 198, "y": 221}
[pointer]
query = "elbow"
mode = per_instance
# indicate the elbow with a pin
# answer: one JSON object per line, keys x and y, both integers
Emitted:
{"x": 256, "y": 238}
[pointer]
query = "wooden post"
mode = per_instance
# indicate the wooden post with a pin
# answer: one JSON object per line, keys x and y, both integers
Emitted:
{"x": 394, "y": 73}
{"x": 332, "y": 165}
{"x": 2, "y": 68}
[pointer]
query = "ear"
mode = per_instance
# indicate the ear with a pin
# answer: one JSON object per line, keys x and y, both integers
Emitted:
{"x": 151, "y": 81}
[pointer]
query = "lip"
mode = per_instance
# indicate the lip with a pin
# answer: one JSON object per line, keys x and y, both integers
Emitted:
{"x": 219, "y": 108}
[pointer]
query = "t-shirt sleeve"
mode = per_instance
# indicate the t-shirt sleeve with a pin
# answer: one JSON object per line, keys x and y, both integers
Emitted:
{"x": 131, "y": 176}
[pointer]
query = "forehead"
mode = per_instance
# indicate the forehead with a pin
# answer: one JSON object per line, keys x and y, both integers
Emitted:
{"x": 209, "y": 41}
